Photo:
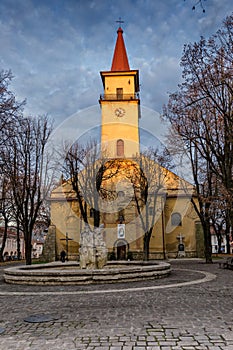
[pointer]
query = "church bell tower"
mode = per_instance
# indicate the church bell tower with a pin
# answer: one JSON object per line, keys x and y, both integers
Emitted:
{"x": 120, "y": 106}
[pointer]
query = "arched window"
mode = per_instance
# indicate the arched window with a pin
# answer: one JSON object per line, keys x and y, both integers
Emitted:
{"x": 121, "y": 215}
{"x": 176, "y": 219}
{"x": 120, "y": 148}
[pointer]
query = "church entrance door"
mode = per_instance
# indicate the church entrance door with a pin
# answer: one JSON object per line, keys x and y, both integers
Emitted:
{"x": 121, "y": 251}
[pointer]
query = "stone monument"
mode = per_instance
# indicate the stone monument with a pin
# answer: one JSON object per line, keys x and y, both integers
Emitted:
{"x": 93, "y": 252}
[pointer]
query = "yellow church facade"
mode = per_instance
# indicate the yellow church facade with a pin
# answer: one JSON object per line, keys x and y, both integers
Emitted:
{"x": 144, "y": 199}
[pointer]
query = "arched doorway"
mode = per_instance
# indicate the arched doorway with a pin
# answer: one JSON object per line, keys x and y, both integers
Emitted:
{"x": 121, "y": 246}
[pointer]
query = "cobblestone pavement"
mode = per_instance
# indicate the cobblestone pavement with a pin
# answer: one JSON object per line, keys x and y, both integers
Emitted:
{"x": 160, "y": 314}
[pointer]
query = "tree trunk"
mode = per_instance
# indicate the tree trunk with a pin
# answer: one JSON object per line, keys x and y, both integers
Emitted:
{"x": 18, "y": 242}
{"x": 228, "y": 225}
{"x": 146, "y": 244}
{"x": 28, "y": 248}
{"x": 146, "y": 248}
{"x": 228, "y": 244}
{"x": 207, "y": 240}
{"x": 96, "y": 218}
{"x": 4, "y": 239}
{"x": 219, "y": 238}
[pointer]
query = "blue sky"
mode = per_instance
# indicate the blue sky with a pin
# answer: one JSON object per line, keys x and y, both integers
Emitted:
{"x": 56, "y": 48}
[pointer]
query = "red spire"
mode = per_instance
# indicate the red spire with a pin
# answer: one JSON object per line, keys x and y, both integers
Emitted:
{"x": 120, "y": 59}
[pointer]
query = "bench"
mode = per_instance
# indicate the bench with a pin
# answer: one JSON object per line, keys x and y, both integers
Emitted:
{"x": 226, "y": 263}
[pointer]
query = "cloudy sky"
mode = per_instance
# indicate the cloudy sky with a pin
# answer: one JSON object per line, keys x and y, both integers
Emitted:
{"x": 56, "y": 48}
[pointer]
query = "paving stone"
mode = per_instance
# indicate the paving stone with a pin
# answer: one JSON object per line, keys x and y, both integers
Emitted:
{"x": 153, "y": 344}
{"x": 128, "y": 319}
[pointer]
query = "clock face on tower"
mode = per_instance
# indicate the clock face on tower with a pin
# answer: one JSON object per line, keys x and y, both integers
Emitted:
{"x": 119, "y": 112}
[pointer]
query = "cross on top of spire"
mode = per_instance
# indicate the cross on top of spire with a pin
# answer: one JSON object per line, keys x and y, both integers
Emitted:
{"x": 120, "y": 21}
{"x": 120, "y": 59}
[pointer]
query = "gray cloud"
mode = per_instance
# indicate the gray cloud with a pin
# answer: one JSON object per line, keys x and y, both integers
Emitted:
{"x": 57, "y": 48}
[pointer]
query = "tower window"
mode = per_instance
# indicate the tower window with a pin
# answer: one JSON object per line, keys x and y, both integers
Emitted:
{"x": 120, "y": 148}
{"x": 119, "y": 93}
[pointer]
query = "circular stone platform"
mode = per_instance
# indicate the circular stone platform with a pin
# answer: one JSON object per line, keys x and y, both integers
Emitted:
{"x": 69, "y": 273}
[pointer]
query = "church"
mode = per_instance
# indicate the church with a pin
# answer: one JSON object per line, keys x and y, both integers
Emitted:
{"x": 143, "y": 206}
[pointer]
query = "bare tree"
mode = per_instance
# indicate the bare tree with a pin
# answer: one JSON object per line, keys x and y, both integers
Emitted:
{"x": 82, "y": 167}
{"x": 27, "y": 167}
{"x": 201, "y": 113}
{"x": 138, "y": 185}
{"x": 150, "y": 193}
{"x": 10, "y": 109}
{"x": 10, "y": 112}
{"x": 6, "y": 211}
